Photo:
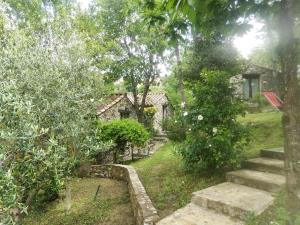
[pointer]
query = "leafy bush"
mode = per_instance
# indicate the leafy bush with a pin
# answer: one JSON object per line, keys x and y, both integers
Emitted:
{"x": 149, "y": 113}
{"x": 46, "y": 99}
{"x": 175, "y": 128}
{"x": 123, "y": 131}
{"x": 214, "y": 137}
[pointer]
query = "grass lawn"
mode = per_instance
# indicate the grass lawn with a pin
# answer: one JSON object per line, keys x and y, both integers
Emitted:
{"x": 170, "y": 187}
{"x": 266, "y": 132}
{"x": 112, "y": 206}
{"x": 277, "y": 214}
{"x": 167, "y": 184}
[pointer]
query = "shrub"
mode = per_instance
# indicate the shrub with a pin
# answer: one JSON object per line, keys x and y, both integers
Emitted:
{"x": 175, "y": 128}
{"x": 122, "y": 132}
{"x": 149, "y": 113}
{"x": 46, "y": 102}
{"x": 214, "y": 137}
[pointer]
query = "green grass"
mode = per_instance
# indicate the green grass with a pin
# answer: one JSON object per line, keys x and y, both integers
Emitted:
{"x": 111, "y": 207}
{"x": 266, "y": 132}
{"x": 170, "y": 187}
{"x": 166, "y": 182}
{"x": 277, "y": 214}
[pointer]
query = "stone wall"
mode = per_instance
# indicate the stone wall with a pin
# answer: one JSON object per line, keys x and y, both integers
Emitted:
{"x": 113, "y": 112}
{"x": 144, "y": 211}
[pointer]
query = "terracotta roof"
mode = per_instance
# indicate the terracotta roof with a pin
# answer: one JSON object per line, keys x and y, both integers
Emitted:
{"x": 151, "y": 100}
{"x": 112, "y": 100}
{"x": 256, "y": 69}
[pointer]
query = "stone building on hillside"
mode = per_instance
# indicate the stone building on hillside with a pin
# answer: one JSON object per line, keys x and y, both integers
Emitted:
{"x": 121, "y": 106}
{"x": 255, "y": 80}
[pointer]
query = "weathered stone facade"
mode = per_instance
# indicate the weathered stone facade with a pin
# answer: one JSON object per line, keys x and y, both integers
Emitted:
{"x": 144, "y": 211}
{"x": 255, "y": 80}
{"x": 123, "y": 104}
{"x": 114, "y": 111}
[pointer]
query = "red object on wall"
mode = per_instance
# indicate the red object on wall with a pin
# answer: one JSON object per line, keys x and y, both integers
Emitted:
{"x": 273, "y": 99}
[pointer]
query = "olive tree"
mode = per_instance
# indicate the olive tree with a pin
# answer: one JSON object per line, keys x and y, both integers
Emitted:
{"x": 48, "y": 93}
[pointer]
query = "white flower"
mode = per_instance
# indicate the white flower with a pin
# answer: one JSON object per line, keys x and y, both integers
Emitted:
{"x": 182, "y": 104}
{"x": 215, "y": 130}
{"x": 185, "y": 113}
{"x": 190, "y": 129}
{"x": 175, "y": 121}
{"x": 200, "y": 117}
{"x": 92, "y": 100}
{"x": 209, "y": 145}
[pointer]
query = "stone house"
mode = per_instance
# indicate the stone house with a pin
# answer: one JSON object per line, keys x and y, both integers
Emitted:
{"x": 121, "y": 106}
{"x": 255, "y": 80}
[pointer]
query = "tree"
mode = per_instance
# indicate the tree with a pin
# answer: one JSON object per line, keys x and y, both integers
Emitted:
{"x": 47, "y": 94}
{"x": 176, "y": 28}
{"x": 214, "y": 137}
{"x": 131, "y": 50}
{"x": 38, "y": 12}
{"x": 224, "y": 17}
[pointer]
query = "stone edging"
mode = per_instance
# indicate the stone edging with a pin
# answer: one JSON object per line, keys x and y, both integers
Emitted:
{"x": 143, "y": 209}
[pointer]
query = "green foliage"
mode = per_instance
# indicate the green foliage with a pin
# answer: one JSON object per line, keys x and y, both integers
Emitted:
{"x": 149, "y": 113}
{"x": 167, "y": 183}
{"x": 175, "y": 128}
{"x": 278, "y": 213}
{"x": 210, "y": 54}
{"x": 266, "y": 132}
{"x": 171, "y": 86}
{"x": 124, "y": 131}
{"x": 47, "y": 97}
{"x": 214, "y": 138}
{"x": 112, "y": 206}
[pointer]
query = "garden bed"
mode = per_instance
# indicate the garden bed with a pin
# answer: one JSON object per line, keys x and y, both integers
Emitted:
{"x": 112, "y": 206}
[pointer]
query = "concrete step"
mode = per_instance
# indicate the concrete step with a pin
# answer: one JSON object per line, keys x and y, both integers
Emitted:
{"x": 160, "y": 139}
{"x": 192, "y": 214}
{"x": 265, "y": 165}
{"x": 235, "y": 200}
{"x": 273, "y": 153}
{"x": 261, "y": 180}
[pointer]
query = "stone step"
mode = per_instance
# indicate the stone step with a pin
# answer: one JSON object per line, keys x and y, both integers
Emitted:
{"x": 261, "y": 180}
{"x": 273, "y": 153}
{"x": 235, "y": 200}
{"x": 192, "y": 214}
{"x": 161, "y": 139}
{"x": 265, "y": 165}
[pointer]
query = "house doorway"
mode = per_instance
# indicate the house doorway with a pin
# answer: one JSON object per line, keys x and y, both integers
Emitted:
{"x": 250, "y": 86}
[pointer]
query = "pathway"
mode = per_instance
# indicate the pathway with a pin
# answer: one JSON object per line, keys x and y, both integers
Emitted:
{"x": 249, "y": 191}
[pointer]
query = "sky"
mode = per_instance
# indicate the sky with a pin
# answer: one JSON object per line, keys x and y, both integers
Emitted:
{"x": 245, "y": 44}
{"x": 251, "y": 40}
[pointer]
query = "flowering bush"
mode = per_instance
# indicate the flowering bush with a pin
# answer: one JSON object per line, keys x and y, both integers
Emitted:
{"x": 149, "y": 113}
{"x": 214, "y": 137}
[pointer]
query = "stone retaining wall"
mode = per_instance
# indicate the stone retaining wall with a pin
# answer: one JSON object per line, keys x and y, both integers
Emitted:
{"x": 144, "y": 211}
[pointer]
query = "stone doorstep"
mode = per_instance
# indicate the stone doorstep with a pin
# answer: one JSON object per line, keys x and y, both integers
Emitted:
{"x": 274, "y": 153}
{"x": 265, "y": 165}
{"x": 193, "y": 214}
{"x": 235, "y": 200}
{"x": 260, "y": 180}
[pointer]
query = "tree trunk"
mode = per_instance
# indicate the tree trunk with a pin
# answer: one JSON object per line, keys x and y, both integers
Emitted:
{"x": 68, "y": 197}
{"x": 180, "y": 77}
{"x": 291, "y": 109}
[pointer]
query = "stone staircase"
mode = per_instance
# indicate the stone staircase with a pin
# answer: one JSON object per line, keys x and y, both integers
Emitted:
{"x": 249, "y": 191}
